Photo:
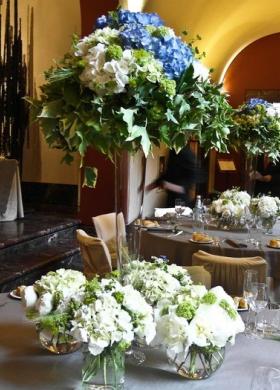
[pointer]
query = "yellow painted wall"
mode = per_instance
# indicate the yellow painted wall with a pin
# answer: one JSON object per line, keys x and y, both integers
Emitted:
{"x": 226, "y": 26}
{"x": 54, "y": 23}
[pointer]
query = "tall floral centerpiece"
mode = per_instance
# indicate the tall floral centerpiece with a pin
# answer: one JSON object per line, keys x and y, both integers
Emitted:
{"x": 256, "y": 131}
{"x": 130, "y": 84}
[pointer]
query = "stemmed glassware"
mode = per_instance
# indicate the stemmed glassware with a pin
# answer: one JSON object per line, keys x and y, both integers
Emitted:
{"x": 179, "y": 207}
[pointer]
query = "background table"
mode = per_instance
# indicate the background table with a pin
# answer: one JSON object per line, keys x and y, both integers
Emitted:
{"x": 11, "y": 206}
{"x": 25, "y": 365}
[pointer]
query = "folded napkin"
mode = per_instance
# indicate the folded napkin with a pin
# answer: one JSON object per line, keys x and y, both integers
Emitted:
{"x": 160, "y": 212}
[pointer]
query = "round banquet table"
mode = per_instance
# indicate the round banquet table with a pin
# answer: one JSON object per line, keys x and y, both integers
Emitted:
{"x": 25, "y": 365}
{"x": 179, "y": 248}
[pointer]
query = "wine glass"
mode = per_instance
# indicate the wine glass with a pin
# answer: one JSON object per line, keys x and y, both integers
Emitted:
{"x": 179, "y": 207}
{"x": 250, "y": 277}
{"x": 266, "y": 378}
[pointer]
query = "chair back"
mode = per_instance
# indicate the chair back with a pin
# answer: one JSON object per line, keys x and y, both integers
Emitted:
{"x": 228, "y": 272}
{"x": 105, "y": 226}
{"x": 95, "y": 254}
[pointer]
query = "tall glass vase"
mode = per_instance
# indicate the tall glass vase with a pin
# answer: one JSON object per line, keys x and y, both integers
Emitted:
{"x": 129, "y": 201}
{"x": 105, "y": 371}
{"x": 250, "y": 171}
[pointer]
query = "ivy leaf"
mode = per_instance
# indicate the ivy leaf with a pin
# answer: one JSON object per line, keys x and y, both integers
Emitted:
{"x": 128, "y": 116}
{"x": 90, "y": 177}
{"x": 52, "y": 109}
{"x": 68, "y": 159}
{"x": 141, "y": 131}
{"x": 170, "y": 117}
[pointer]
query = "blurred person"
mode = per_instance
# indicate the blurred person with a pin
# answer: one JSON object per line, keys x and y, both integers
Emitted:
{"x": 267, "y": 177}
{"x": 181, "y": 175}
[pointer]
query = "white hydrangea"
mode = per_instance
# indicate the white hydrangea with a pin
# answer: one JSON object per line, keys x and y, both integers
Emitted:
{"x": 231, "y": 204}
{"x": 105, "y": 36}
{"x": 157, "y": 280}
{"x": 268, "y": 206}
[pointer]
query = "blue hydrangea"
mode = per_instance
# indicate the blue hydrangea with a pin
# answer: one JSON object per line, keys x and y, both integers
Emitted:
{"x": 251, "y": 103}
{"x": 101, "y": 22}
{"x": 174, "y": 54}
{"x": 135, "y": 36}
{"x": 127, "y": 17}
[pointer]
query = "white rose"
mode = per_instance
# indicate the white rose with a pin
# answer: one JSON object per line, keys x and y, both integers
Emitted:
{"x": 29, "y": 297}
{"x": 44, "y": 304}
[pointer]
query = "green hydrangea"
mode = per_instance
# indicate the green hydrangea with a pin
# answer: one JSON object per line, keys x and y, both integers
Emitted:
{"x": 209, "y": 298}
{"x": 168, "y": 86}
{"x": 114, "y": 52}
{"x": 228, "y": 308}
{"x": 185, "y": 310}
{"x": 119, "y": 296}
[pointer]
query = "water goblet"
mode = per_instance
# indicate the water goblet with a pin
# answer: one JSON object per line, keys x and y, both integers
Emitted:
{"x": 179, "y": 207}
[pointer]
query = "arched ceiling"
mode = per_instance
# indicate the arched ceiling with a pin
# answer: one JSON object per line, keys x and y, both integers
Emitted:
{"x": 226, "y": 26}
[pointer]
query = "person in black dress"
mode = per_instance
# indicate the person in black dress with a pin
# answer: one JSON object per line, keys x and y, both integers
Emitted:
{"x": 182, "y": 173}
{"x": 268, "y": 178}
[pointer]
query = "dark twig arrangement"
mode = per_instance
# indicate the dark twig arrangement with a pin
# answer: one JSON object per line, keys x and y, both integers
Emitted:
{"x": 13, "y": 72}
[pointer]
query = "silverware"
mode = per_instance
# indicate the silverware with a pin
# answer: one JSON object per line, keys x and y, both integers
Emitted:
{"x": 235, "y": 244}
{"x": 176, "y": 234}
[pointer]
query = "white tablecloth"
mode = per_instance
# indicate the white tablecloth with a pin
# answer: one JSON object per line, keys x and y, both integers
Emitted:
{"x": 25, "y": 365}
{"x": 13, "y": 207}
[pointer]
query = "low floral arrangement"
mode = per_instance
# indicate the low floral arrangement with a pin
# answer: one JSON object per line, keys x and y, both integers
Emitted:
{"x": 102, "y": 314}
{"x": 257, "y": 129}
{"x": 231, "y": 206}
{"x": 267, "y": 209}
{"x": 106, "y": 316}
{"x": 155, "y": 280}
{"x": 49, "y": 303}
{"x": 129, "y": 84}
{"x": 204, "y": 321}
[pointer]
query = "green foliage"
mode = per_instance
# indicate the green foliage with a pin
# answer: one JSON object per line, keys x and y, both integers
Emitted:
{"x": 150, "y": 112}
{"x": 256, "y": 132}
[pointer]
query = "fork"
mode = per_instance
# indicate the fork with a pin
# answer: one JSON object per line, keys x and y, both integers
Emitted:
{"x": 175, "y": 234}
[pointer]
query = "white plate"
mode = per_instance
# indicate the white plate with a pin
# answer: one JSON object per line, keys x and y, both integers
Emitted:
{"x": 242, "y": 309}
{"x": 14, "y": 295}
{"x": 201, "y": 242}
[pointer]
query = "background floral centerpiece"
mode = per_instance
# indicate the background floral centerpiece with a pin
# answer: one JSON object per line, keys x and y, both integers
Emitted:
{"x": 194, "y": 325}
{"x": 267, "y": 209}
{"x": 257, "y": 129}
{"x": 231, "y": 207}
{"x": 128, "y": 85}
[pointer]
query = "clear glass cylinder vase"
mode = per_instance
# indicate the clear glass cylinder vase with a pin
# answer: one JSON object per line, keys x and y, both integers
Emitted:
{"x": 105, "y": 371}
{"x": 250, "y": 171}
{"x": 268, "y": 224}
{"x": 199, "y": 363}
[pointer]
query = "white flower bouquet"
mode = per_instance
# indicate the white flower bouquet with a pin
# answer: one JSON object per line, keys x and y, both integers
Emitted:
{"x": 267, "y": 209}
{"x": 49, "y": 301}
{"x": 155, "y": 280}
{"x": 196, "y": 323}
{"x": 231, "y": 206}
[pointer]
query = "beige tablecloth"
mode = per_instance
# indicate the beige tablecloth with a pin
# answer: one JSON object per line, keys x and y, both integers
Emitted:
{"x": 179, "y": 249}
{"x": 25, "y": 365}
{"x": 11, "y": 206}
